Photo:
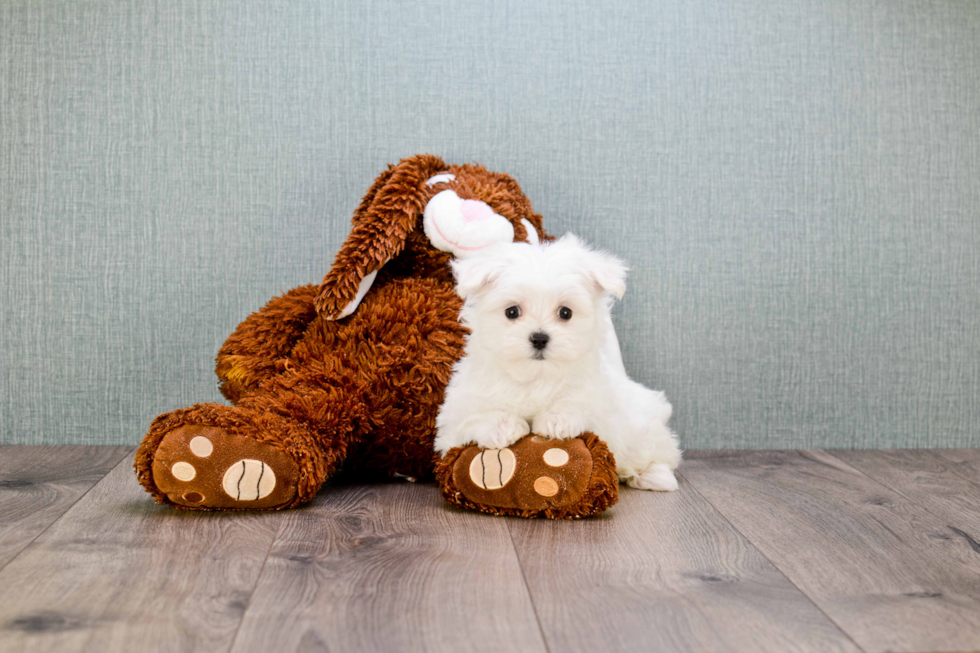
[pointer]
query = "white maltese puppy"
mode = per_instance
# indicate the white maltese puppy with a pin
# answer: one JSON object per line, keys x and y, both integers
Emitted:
{"x": 543, "y": 356}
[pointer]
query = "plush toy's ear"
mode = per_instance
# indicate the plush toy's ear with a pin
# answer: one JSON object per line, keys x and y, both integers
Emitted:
{"x": 477, "y": 272}
{"x": 389, "y": 212}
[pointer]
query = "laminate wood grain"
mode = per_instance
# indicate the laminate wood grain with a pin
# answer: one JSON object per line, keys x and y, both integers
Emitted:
{"x": 947, "y": 483}
{"x": 884, "y": 568}
{"x": 119, "y": 573}
{"x": 38, "y": 484}
{"x": 966, "y": 461}
{"x": 390, "y": 567}
{"x": 663, "y": 572}
{"x": 782, "y": 551}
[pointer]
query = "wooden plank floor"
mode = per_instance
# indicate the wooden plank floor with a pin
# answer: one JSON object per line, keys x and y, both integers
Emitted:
{"x": 757, "y": 551}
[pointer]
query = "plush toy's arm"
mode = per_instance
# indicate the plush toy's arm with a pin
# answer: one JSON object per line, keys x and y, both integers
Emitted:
{"x": 255, "y": 350}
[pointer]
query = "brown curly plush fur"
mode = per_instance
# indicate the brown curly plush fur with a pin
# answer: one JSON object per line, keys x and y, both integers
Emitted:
{"x": 362, "y": 391}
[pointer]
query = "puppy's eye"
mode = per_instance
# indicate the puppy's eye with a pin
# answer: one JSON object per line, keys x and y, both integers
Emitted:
{"x": 513, "y": 312}
{"x": 565, "y": 313}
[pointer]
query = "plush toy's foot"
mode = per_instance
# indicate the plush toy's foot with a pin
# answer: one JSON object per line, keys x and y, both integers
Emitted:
{"x": 536, "y": 477}
{"x": 207, "y": 467}
{"x": 223, "y": 465}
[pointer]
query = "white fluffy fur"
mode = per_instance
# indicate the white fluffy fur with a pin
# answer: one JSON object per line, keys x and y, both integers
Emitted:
{"x": 503, "y": 388}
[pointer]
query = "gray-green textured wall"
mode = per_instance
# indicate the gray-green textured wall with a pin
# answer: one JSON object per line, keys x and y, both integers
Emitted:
{"x": 796, "y": 185}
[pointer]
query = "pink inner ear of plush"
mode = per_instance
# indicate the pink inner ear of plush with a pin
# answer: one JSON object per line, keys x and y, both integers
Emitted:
{"x": 474, "y": 210}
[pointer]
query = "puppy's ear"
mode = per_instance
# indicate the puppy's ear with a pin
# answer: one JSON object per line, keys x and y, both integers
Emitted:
{"x": 605, "y": 270}
{"x": 389, "y": 212}
{"x": 476, "y": 273}
{"x": 609, "y": 273}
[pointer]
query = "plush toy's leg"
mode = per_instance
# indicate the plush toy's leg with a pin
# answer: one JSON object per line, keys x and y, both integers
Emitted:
{"x": 274, "y": 450}
{"x": 536, "y": 477}
{"x": 221, "y": 457}
{"x": 258, "y": 348}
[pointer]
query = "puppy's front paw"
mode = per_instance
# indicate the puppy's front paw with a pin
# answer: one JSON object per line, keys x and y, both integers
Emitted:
{"x": 561, "y": 426}
{"x": 657, "y": 477}
{"x": 494, "y": 430}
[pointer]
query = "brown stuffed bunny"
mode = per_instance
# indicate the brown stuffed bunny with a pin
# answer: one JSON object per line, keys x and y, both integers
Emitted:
{"x": 352, "y": 372}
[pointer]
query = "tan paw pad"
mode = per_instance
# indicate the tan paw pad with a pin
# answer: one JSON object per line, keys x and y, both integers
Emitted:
{"x": 492, "y": 469}
{"x": 555, "y": 457}
{"x": 200, "y": 446}
{"x": 183, "y": 471}
{"x": 546, "y": 486}
{"x": 248, "y": 480}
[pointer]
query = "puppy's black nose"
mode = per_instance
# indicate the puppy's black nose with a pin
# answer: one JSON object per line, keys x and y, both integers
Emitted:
{"x": 540, "y": 340}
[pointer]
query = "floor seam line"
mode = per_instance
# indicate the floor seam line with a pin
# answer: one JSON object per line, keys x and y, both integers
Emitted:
{"x": 527, "y": 588}
{"x": 67, "y": 510}
{"x": 258, "y": 578}
{"x": 774, "y": 565}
